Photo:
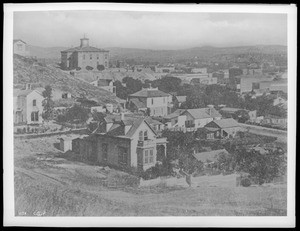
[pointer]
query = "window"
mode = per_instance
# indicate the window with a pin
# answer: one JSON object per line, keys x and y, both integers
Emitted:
{"x": 164, "y": 100}
{"x": 34, "y": 116}
{"x": 98, "y": 57}
{"x": 106, "y": 56}
{"x": 210, "y": 136}
{"x": 152, "y": 101}
{"x": 34, "y": 102}
{"x": 146, "y": 135}
{"x": 91, "y": 56}
{"x": 123, "y": 156}
{"x": 20, "y": 47}
{"x": 64, "y": 95}
{"x": 104, "y": 151}
{"x": 141, "y": 137}
{"x": 148, "y": 156}
{"x": 151, "y": 156}
{"x": 83, "y": 57}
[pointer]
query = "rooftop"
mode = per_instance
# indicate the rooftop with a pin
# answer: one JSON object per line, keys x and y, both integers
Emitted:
{"x": 84, "y": 49}
{"x": 201, "y": 113}
{"x": 225, "y": 123}
{"x": 149, "y": 93}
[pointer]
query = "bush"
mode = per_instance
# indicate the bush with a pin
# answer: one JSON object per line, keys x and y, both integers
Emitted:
{"x": 89, "y": 68}
{"x": 246, "y": 182}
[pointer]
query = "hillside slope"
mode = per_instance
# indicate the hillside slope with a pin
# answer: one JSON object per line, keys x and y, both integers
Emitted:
{"x": 29, "y": 71}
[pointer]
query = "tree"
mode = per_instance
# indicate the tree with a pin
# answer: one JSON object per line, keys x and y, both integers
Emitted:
{"x": 47, "y": 103}
{"x": 262, "y": 167}
{"x": 98, "y": 120}
{"x": 77, "y": 114}
{"x": 101, "y": 67}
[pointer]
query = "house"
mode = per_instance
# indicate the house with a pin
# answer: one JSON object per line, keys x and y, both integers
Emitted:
{"x": 223, "y": 128}
{"x": 155, "y": 124}
{"x": 124, "y": 142}
{"x": 106, "y": 84}
{"x": 237, "y": 113}
{"x": 278, "y": 101}
{"x": 247, "y": 83}
{"x": 199, "y": 117}
{"x": 199, "y": 70}
{"x": 85, "y": 56}
{"x": 175, "y": 119}
{"x": 151, "y": 101}
{"x": 28, "y": 106}
{"x": 204, "y": 80}
{"x": 275, "y": 120}
{"x": 20, "y": 47}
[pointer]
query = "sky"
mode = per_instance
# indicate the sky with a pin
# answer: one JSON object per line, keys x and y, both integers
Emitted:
{"x": 149, "y": 30}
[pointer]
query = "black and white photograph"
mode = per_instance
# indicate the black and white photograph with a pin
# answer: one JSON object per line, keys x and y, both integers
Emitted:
{"x": 154, "y": 114}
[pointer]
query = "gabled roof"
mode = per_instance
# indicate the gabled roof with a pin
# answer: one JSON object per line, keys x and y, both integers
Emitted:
{"x": 174, "y": 114}
{"x": 85, "y": 49}
{"x": 149, "y": 93}
{"x": 118, "y": 127}
{"x": 138, "y": 104}
{"x": 151, "y": 121}
{"x": 210, "y": 156}
{"x": 224, "y": 123}
{"x": 202, "y": 113}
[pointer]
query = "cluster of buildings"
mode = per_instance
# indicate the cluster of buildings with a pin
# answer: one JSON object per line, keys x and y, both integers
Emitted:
{"x": 132, "y": 140}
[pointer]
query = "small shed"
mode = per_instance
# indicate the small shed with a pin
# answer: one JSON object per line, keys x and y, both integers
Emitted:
{"x": 66, "y": 142}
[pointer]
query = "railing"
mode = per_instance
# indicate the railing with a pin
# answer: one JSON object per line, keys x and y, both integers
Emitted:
{"x": 161, "y": 140}
{"x": 144, "y": 143}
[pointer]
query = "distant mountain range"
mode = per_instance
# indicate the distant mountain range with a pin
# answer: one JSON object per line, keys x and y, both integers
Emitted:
{"x": 165, "y": 55}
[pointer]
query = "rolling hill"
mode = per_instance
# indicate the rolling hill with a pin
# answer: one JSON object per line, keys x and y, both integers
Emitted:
{"x": 166, "y": 55}
{"x": 27, "y": 70}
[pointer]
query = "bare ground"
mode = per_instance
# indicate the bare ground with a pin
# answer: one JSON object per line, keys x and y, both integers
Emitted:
{"x": 49, "y": 183}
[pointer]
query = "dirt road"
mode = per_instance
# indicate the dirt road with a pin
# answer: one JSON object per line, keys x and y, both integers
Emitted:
{"x": 279, "y": 134}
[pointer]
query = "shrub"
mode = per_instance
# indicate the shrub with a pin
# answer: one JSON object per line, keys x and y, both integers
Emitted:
{"x": 89, "y": 68}
{"x": 246, "y": 182}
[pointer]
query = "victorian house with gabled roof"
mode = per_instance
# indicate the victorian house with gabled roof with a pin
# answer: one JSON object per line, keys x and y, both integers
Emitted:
{"x": 124, "y": 142}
